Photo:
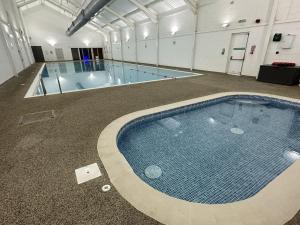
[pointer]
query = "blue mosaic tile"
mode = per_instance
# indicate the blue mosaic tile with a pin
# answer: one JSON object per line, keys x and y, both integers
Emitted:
{"x": 202, "y": 160}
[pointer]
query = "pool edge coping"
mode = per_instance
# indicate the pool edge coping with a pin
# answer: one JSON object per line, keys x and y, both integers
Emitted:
{"x": 34, "y": 85}
{"x": 279, "y": 193}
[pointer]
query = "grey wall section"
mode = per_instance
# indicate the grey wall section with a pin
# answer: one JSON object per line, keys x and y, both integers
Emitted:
{"x": 6, "y": 70}
{"x": 15, "y": 53}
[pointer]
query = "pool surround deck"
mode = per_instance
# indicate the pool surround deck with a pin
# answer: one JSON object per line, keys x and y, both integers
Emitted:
{"x": 38, "y": 183}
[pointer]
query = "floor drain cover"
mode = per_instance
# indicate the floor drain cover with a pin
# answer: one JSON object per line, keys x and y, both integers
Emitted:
{"x": 106, "y": 188}
{"x": 236, "y": 130}
{"x": 153, "y": 172}
{"x": 36, "y": 117}
{"x": 87, "y": 173}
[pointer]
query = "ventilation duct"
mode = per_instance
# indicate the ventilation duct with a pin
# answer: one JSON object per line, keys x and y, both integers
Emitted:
{"x": 85, "y": 15}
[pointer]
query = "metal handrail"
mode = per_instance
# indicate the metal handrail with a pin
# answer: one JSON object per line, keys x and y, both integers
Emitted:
{"x": 43, "y": 87}
{"x": 59, "y": 86}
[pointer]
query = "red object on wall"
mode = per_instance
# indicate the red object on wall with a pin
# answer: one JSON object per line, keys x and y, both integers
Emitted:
{"x": 283, "y": 64}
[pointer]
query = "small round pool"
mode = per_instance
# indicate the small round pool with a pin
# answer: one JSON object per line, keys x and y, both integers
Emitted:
{"x": 214, "y": 152}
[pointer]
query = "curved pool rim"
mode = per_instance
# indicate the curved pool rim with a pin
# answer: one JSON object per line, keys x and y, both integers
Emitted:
{"x": 275, "y": 204}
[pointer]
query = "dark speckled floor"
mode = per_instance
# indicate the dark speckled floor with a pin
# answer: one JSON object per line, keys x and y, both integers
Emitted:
{"x": 37, "y": 163}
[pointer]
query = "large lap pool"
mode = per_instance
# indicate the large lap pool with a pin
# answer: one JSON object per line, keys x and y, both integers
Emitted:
{"x": 63, "y": 77}
{"x": 218, "y": 151}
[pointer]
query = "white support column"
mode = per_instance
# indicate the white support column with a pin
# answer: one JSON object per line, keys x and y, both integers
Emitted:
{"x": 157, "y": 44}
{"x": 111, "y": 46}
{"x": 136, "y": 41}
{"x": 25, "y": 47}
{"x": 23, "y": 33}
{"x": 194, "y": 42}
{"x": 121, "y": 41}
{"x": 272, "y": 17}
{"x": 15, "y": 39}
{"x": 78, "y": 50}
{"x": 7, "y": 51}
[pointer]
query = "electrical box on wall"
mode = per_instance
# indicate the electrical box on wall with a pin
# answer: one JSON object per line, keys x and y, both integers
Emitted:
{"x": 288, "y": 41}
{"x": 253, "y": 47}
{"x": 223, "y": 51}
{"x": 277, "y": 37}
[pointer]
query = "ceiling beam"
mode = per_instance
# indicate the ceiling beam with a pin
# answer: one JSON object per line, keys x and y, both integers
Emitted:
{"x": 136, "y": 10}
{"x": 112, "y": 26}
{"x": 125, "y": 20}
{"x": 98, "y": 28}
{"x": 152, "y": 16}
{"x": 62, "y": 7}
{"x": 192, "y": 4}
{"x": 22, "y": 4}
{"x": 69, "y": 2}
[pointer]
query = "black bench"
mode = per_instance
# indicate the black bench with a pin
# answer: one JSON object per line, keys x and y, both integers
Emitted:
{"x": 279, "y": 74}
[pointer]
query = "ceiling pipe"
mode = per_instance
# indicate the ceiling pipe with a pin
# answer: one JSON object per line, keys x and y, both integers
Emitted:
{"x": 85, "y": 15}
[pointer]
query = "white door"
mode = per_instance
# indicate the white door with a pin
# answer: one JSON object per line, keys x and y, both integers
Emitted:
{"x": 237, "y": 53}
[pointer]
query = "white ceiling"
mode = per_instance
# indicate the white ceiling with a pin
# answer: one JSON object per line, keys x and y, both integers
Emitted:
{"x": 106, "y": 21}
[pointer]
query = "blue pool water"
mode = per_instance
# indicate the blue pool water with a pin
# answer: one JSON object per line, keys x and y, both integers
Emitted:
{"x": 216, "y": 152}
{"x": 73, "y": 76}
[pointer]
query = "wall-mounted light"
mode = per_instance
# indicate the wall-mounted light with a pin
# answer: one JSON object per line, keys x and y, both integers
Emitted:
{"x": 51, "y": 42}
{"x": 115, "y": 39}
{"x": 6, "y": 28}
{"x": 127, "y": 38}
{"x": 86, "y": 42}
{"x": 146, "y": 35}
{"x": 224, "y": 25}
{"x": 174, "y": 30}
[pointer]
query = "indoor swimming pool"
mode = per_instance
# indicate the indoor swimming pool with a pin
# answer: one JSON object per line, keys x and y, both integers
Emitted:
{"x": 217, "y": 151}
{"x": 63, "y": 77}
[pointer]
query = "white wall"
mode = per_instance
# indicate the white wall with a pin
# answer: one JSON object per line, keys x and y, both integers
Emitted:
{"x": 107, "y": 53}
{"x": 209, "y": 47}
{"x": 116, "y": 46}
{"x": 15, "y": 54}
{"x": 6, "y": 71}
{"x": 287, "y": 22}
{"x": 128, "y": 41}
{"x": 208, "y": 51}
{"x": 45, "y": 25}
{"x": 212, "y": 37}
{"x": 147, "y": 47}
{"x": 177, "y": 50}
